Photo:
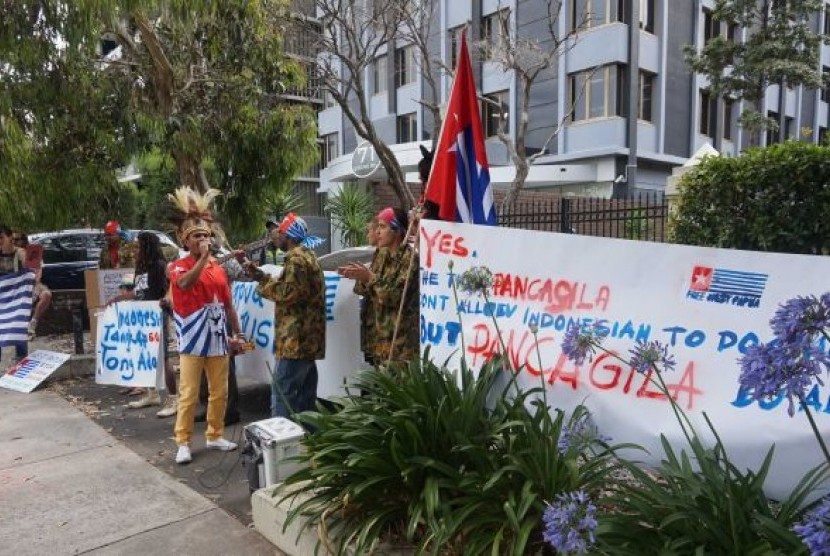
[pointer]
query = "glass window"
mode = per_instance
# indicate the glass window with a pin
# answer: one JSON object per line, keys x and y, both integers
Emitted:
{"x": 379, "y": 75}
{"x": 328, "y": 98}
{"x": 644, "y": 111}
{"x": 491, "y": 30}
{"x": 407, "y": 128}
{"x": 825, "y": 91}
{"x": 596, "y": 93}
{"x": 772, "y": 134}
{"x": 592, "y": 13}
{"x": 710, "y": 26}
{"x": 647, "y": 15}
{"x": 404, "y": 66}
{"x": 495, "y": 112}
{"x": 329, "y": 148}
{"x": 827, "y": 19}
{"x": 728, "y": 116}
{"x": 708, "y": 114}
{"x": 455, "y": 44}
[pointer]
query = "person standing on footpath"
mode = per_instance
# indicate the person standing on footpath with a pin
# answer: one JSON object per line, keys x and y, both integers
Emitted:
{"x": 386, "y": 285}
{"x": 12, "y": 260}
{"x": 202, "y": 308}
{"x": 117, "y": 252}
{"x": 299, "y": 296}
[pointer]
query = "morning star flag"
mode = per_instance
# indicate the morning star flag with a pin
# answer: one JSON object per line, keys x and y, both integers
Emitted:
{"x": 459, "y": 182}
{"x": 15, "y": 306}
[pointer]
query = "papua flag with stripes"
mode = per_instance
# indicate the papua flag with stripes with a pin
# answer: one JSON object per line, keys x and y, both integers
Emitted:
{"x": 15, "y": 306}
{"x": 459, "y": 182}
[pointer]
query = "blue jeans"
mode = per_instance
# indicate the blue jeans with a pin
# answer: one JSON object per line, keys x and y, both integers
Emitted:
{"x": 293, "y": 387}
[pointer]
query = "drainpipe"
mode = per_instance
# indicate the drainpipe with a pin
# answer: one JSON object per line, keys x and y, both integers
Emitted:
{"x": 625, "y": 188}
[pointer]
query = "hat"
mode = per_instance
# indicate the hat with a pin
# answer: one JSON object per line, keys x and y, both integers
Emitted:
{"x": 112, "y": 227}
{"x": 296, "y": 229}
{"x": 127, "y": 281}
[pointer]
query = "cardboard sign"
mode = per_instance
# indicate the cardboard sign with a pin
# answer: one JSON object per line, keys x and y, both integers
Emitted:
{"x": 30, "y": 371}
{"x": 128, "y": 349}
{"x": 707, "y": 305}
{"x": 343, "y": 355}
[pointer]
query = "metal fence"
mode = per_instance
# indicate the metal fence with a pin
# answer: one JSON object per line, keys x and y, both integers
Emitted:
{"x": 641, "y": 217}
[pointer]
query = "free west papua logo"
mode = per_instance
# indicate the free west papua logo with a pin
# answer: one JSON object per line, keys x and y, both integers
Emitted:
{"x": 725, "y": 286}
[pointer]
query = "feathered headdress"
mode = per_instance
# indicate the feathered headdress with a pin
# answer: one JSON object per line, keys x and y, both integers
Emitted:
{"x": 193, "y": 213}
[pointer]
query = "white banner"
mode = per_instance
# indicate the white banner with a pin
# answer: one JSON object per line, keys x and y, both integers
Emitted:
{"x": 708, "y": 305}
{"x": 343, "y": 355}
{"x": 33, "y": 369}
{"x": 128, "y": 349}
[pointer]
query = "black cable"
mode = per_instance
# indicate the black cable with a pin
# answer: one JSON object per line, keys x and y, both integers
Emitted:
{"x": 217, "y": 468}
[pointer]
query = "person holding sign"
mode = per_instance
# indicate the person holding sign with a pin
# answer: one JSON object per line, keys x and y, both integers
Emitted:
{"x": 12, "y": 261}
{"x": 391, "y": 278}
{"x": 202, "y": 308}
{"x": 42, "y": 295}
{"x": 299, "y": 296}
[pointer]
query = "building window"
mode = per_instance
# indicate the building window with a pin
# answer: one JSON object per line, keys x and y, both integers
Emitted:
{"x": 644, "y": 110}
{"x": 328, "y": 98}
{"x": 732, "y": 30}
{"x": 404, "y": 66}
{"x": 825, "y": 91}
{"x": 708, "y": 113}
{"x": 728, "y": 106}
{"x": 328, "y": 148}
{"x": 710, "y": 26}
{"x": 772, "y": 134}
{"x": 592, "y": 13}
{"x": 595, "y": 93}
{"x": 455, "y": 45}
{"x": 407, "y": 128}
{"x": 379, "y": 75}
{"x": 495, "y": 112}
{"x": 646, "y": 15}
{"x": 827, "y": 19}
{"x": 491, "y": 29}
{"x": 789, "y": 127}
{"x": 822, "y": 135}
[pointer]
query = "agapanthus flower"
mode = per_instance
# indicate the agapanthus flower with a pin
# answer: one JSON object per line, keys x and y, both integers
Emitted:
{"x": 801, "y": 319}
{"x": 570, "y": 523}
{"x": 814, "y": 529}
{"x": 477, "y": 280}
{"x": 776, "y": 368}
{"x": 578, "y": 433}
{"x": 647, "y": 355}
{"x": 580, "y": 342}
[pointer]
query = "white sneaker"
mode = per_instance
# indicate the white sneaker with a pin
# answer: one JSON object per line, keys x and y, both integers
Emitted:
{"x": 220, "y": 444}
{"x": 150, "y": 398}
{"x": 183, "y": 455}
{"x": 170, "y": 407}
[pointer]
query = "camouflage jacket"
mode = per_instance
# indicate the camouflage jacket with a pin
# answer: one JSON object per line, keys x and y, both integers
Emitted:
{"x": 126, "y": 256}
{"x": 384, "y": 292}
{"x": 299, "y": 295}
{"x": 367, "y": 308}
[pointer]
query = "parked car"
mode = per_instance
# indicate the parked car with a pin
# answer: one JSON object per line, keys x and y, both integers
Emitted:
{"x": 68, "y": 253}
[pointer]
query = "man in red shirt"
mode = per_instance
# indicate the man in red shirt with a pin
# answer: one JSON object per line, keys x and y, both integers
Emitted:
{"x": 201, "y": 305}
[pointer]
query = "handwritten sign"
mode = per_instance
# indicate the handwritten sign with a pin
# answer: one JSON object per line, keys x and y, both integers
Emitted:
{"x": 708, "y": 305}
{"x": 128, "y": 348}
{"x": 30, "y": 371}
{"x": 343, "y": 355}
{"x": 108, "y": 282}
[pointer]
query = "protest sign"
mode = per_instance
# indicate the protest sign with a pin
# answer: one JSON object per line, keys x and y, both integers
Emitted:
{"x": 33, "y": 369}
{"x": 128, "y": 349}
{"x": 708, "y": 305}
{"x": 343, "y": 355}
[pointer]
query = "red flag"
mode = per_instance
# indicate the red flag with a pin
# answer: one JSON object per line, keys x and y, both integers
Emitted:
{"x": 459, "y": 182}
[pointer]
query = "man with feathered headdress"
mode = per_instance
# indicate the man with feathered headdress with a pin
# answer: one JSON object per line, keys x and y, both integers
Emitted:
{"x": 202, "y": 307}
{"x": 299, "y": 296}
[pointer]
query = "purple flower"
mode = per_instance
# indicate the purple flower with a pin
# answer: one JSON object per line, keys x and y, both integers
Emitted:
{"x": 648, "y": 355}
{"x": 814, "y": 529}
{"x": 570, "y": 523}
{"x": 801, "y": 318}
{"x": 579, "y": 343}
{"x": 768, "y": 370}
{"x": 579, "y": 433}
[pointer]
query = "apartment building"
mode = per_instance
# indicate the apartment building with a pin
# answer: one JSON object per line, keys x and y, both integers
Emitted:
{"x": 614, "y": 139}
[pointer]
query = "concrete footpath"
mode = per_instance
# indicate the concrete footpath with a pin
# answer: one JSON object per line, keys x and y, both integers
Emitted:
{"x": 68, "y": 487}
